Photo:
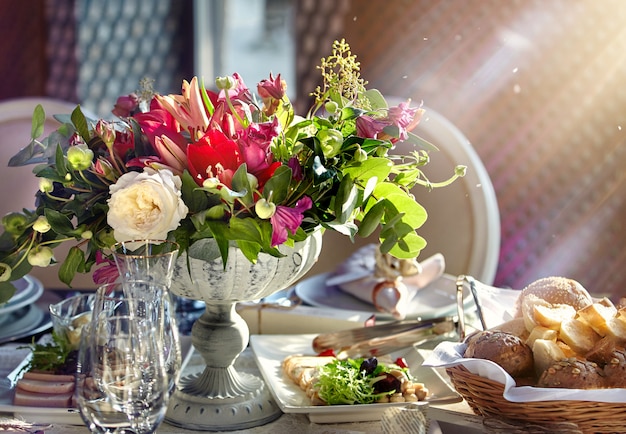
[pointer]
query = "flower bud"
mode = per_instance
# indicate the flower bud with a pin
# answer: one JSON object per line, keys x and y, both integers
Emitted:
{"x": 5, "y": 272}
{"x": 330, "y": 141}
{"x": 264, "y": 209}
{"x": 106, "y": 131}
{"x": 14, "y": 223}
{"x": 41, "y": 225}
{"x": 460, "y": 170}
{"x": 225, "y": 83}
{"x": 331, "y": 107}
{"x": 360, "y": 154}
{"x": 45, "y": 185}
{"x": 86, "y": 235}
{"x": 80, "y": 157}
{"x": 40, "y": 256}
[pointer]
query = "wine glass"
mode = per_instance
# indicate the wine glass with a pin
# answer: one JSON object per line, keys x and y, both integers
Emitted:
{"x": 95, "y": 407}
{"x": 146, "y": 260}
{"x": 131, "y": 369}
{"x": 147, "y": 300}
{"x": 154, "y": 260}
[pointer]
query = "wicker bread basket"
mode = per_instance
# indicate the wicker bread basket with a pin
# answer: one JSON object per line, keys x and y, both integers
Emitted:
{"x": 485, "y": 397}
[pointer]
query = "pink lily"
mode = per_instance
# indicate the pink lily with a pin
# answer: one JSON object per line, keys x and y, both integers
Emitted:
{"x": 187, "y": 108}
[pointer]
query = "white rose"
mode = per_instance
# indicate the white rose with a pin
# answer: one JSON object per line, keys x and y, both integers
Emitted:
{"x": 145, "y": 205}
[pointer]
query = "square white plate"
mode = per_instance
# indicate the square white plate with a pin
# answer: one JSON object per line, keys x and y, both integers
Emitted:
{"x": 270, "y": 350}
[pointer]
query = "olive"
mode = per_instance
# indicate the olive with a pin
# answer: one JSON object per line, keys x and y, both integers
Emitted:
{"x": 387, "y": 384}
{"x": 369, "y": 365}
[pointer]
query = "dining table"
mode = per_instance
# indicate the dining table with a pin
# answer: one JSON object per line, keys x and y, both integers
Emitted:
{"x": 444, "y": 418}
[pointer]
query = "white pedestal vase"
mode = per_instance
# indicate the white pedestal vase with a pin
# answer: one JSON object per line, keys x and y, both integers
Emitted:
{"x": 220, "y": 398}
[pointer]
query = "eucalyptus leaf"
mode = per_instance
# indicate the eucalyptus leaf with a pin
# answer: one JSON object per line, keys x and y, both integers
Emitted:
{"x": 38, "y": 122}
{"x": 74, "y": 263}
{"x": 80, "y": 122}
{"x": 372, "y": 219}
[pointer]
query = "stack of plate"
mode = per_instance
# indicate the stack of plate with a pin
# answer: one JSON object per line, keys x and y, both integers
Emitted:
{"x": 21, "y": 316}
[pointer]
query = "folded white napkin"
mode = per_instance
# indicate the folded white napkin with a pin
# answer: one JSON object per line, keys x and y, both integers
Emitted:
{"x": 361, "y": 276}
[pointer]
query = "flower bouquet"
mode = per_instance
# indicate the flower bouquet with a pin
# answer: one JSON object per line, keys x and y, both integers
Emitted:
{"x": 220, "y": 164}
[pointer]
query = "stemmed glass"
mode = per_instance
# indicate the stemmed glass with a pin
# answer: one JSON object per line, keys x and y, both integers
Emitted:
{"x": 127, "y": 360}
{"x": 147, "y": 300}
{"x": 128, "y": 368}
{"x": 154, "y": 260}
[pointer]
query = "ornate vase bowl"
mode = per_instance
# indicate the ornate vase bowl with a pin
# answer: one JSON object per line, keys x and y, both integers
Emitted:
{"x": 221, "y": 398}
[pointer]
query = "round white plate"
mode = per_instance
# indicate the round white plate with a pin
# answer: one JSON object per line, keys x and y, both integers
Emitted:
{"x": 28, "y": 290}
{"x": 23, "y": 321}
{"x": 435, "y": 300}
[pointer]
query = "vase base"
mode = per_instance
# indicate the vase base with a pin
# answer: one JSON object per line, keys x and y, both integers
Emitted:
{"x": 203, "y": 413}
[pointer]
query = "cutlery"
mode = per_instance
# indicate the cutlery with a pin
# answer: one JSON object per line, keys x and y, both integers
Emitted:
{"x": 404, "y": 333}
{"x": 387, "y": 344}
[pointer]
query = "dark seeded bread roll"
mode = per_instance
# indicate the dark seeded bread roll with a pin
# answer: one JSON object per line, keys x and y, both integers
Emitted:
{"x": 615, "y": 369}
{"x": 505, "y": 349}
{"x": 572, "y": 373}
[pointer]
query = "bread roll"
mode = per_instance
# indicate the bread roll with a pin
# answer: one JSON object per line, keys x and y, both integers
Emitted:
{"x": 505, "y": 349}
{"x": 572, "y": 373}
{"x": 615, "y": 369}
{"x": 556, "y": 290}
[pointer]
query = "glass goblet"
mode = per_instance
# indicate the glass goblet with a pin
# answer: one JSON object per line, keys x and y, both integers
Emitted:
{"x": 94, "y": 405}
{"x": 131, "y": 369}
{"x": 150, "y": 301}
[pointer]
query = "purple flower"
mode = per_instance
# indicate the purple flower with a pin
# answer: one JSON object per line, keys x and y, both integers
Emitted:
{"x": 286, "y": 218}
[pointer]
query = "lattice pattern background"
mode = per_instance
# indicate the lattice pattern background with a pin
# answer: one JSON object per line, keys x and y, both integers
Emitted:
{"x": 538, "y": 87}
{"x": 120, "y": 42}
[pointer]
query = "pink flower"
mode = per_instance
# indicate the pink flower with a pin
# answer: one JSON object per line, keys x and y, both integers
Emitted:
{"x": 108, "y": 273}
{"x": 405, "y": 118}
{"x": 296, "y": 168}
{"x": 368, "y": 127}
{"x": 126, "y": 105}
{"x": 254, "y": 143}
{"x": 288, "y": 219}
{"x": 188, "y": 108}
{"x": 272, "y": 87}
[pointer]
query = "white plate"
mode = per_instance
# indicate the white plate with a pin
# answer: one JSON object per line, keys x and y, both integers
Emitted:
{"x": 68, "y": 416}
{"x": 28, "y": 290}
{"x": 435, "y": 300}
{"x": 270, "y": 350}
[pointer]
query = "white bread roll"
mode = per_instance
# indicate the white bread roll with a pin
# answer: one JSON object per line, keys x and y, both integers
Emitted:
{"x": 556, "y": 290}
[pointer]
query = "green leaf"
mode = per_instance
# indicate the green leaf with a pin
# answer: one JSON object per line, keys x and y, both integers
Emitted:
{"x": 249, "y": 249}
{"x": 79, "y": 121}
{"x": 220, "y": 235}
{"x": 195, "y": 199}
{"x": 6, "y": 291}
{"x": 376, "y": 99}
{"x": 401, "y": 203}
{"x": 74, "y": 262}
{"x": 362, "y": 171}
{"x": 408, "y": 247}
{"x": 242, "y": 184}
{"x": 372, "y": 219}
{"x": 38, "y": 122}
{"x": 60, "y": 162}
{"x": 278, "y": 185}
{"x": 345, "y": 200}
{"x": 59, "y": 222}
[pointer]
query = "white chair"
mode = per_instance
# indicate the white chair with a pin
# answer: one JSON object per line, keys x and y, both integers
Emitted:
{"x": 19, "y": 183}
{"x": 463, "y": 218}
